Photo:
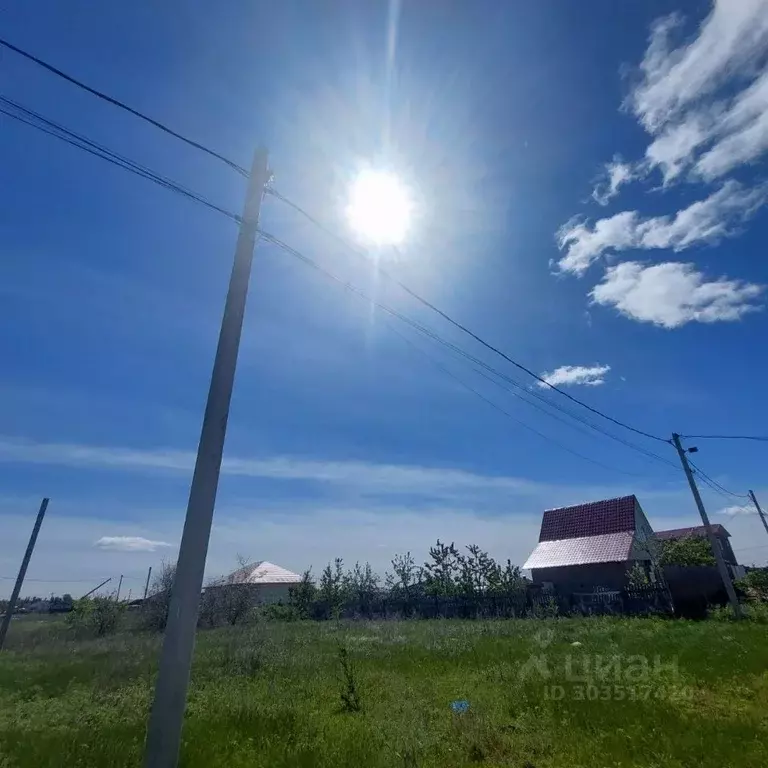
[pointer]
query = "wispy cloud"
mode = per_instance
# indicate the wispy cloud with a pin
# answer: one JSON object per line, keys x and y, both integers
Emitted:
{"x": 745, "y": 509}
{"x": 615, "y": 175}
{"x": 672, "y": 294}
{"x": 567, "y": 375}
{"x": 129, "y": 544}
{"x": 706, "y": 221}
{"x": 388, "y": 477}
{"x": 702, "y": 99}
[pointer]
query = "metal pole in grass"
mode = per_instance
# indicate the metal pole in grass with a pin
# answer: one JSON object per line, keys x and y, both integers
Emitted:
{"x": 167, "y": 715}
{"x": 22, "y": 572}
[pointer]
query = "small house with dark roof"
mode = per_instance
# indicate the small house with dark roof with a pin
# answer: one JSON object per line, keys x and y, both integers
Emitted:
{"x": 721, "y": 537}
{"x": 592, "y": 545}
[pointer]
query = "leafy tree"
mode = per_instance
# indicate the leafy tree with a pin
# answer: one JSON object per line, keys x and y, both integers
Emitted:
{"x": 755, "y": 584}
{"x": 302, "y": 595}
{"x": 334, "y": 586}
{"x": 228, "y": 600}
{"x": 405, "y": 580}
{"x": 689, "y": 550}
{"x": 441, "y": 574}
{"x": 362, "y": 585}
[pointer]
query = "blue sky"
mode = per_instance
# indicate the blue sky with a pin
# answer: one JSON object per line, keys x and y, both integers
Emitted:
{"x": 591, "y": 199}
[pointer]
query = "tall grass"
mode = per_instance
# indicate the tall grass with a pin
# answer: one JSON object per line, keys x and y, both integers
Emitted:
{"x": 269, "y": 695}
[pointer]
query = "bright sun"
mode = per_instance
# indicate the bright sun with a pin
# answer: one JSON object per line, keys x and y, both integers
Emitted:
{"x": 379, "y": 208}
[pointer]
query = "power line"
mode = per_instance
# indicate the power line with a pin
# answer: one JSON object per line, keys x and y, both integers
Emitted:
{"x": 35, "y": 120}
{"x": 52, "y": 128}
{"x": 122, "y": 105}
{"x": 457, "y": 324}
{"x": 490, "y": 402}
{"x": 714, "y": 485}
{"x": 726, "y": 437}
{"x": 431, "y": 334}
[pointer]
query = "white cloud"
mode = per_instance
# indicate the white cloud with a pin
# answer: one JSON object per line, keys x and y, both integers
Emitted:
{"x": 746, "y": 509}
{"x": 394, "y": 478}
{"x": 673, "y": 294}
{"x": 589, "y": 376}
{"x": 730, "y": 42}
{"x": 704, "y": 221}
{"x": 583, "y": 244}
{"x": 616, "y": 174}
{"x": 709, "y": 94}
{"x": 129, "y": 544}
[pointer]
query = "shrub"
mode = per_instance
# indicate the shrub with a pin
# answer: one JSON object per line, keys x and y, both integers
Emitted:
{"x": 690, "y": 550}
{"x": 350, "y": 697}
{"x": 97, "y": 616}
{"x": 755, "y": 585}
{"x": 280, "y": 612}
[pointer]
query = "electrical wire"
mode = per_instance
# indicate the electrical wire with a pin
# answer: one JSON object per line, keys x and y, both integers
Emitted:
{"x": 35, "y": 120}
{"x": 122, "y": 105}
{"x": 714, "y": 485}
{"x": 497, "y": 407}
{"x": 455, "y": 323}
{"x": 52, "y": 128}
{"x": 726, "y": 437}
{"x": 459, "y": 351}
{"x": 428, "y": 332}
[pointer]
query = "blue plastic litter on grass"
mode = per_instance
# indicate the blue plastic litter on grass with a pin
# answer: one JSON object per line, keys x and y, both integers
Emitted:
{"x": 460, "y": 706}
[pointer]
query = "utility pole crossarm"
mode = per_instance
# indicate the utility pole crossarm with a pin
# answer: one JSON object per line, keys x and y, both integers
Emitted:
{"x": 716, "y": 551}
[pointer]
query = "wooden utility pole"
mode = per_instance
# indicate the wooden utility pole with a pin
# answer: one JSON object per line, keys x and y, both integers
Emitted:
{"x": 146, "y": 586}
{"x": 716, "y": 551}
{"x": 22, "y": 572}
{"x": 167, "y": 714}
{"x": 759, "y": 511}
{"x": 119, "y": 584}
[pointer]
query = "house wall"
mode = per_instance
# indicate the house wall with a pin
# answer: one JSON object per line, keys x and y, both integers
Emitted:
{"x": 727, "y": 550}
{"x": 273, "y": 593}
{"x": 584, "y": 578}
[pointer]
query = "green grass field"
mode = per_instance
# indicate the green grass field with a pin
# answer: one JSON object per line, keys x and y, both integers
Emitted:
{"x": 270, "y": 695}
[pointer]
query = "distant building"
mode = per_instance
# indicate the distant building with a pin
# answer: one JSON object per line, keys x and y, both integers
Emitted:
{"x": 591, "y": 546}
{"x": 269, "y": 582}
{"x": 721, "y": 537}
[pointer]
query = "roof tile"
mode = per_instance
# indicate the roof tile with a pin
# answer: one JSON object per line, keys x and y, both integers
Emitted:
{"x": 603, "y": 548}
{"x": 592, "y": 519}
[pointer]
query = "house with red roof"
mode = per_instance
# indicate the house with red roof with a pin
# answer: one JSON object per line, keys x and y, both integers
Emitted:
{"x": 593, "y": 545}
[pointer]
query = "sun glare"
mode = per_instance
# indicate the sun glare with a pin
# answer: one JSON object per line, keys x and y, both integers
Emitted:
{"x": 379, "y": 208}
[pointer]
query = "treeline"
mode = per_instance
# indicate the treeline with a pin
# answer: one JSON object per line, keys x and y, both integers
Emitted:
{"x": 449, "y": 583}
{"x": 56, "y": 604}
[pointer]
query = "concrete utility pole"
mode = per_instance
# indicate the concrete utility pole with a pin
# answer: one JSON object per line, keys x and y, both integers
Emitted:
{"x": 22, "y": 572}
{"x": 88, "y": 594}
{"x": 716, "y": 551}
{"x": 119, "y": 584}
{"x": 146, "y": 586}
{"x": 167, "y": 715}
{"x": 759, "y": 511}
